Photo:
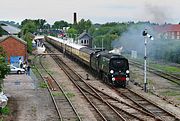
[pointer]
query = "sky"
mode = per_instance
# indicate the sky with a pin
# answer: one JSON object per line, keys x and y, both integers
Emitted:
{"x": 98, "y": 11}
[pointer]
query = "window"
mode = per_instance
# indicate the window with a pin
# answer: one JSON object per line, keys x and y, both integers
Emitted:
{"x": 84, "y": 41}
{"x": 166, "y": 35}
{"x": 178, "y": 37}
{"x": 172, "y": 37}
{"x": 178, "y": 33}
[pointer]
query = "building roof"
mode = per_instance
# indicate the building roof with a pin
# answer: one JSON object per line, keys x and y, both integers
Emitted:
{"x": 83, "y": 34}
{"x": 10, "y": 29}
{"x": 168, "y": 27}
{"x": 3, "y": 38}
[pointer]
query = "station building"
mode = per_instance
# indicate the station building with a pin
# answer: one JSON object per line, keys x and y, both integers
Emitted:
{"x": 15, "y": 48}
{"x": 85, "y": 39}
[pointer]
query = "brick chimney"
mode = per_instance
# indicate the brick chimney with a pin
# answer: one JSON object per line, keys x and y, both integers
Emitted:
{"x": 75, "y": 18}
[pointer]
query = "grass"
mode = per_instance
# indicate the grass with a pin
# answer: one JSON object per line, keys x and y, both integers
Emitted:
{"x": 150, "y": 82}
{"x": 43, "y": 85}
{"x": 178, "y": 98}
{"x": 5, "y": 110}
{"x": 57, "y": 94}
{"x": 33, "y": 109}
{"x": 166, "y": 68}
{"x": 70, "y": 95}
{"x": 35, "y": 72}
{"x": 62, "y": 85}
{"x": 170, "y": 93}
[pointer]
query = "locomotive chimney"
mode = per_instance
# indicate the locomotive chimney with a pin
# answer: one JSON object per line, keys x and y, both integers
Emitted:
{"x": 75, "y": 18}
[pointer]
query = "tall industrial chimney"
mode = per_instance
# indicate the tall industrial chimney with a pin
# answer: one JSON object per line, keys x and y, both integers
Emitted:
{"x": 75, "y": 18}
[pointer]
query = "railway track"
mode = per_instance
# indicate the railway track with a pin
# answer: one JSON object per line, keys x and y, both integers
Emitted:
{"x": 167, "y": 76}
{"x": 104, "y": 109}
{"x": 100, "y": 106}
{"x": 146, "y": 105}
{"x": 96, "y": 99}
{"x": 64, "y": 107}
{"x": 151, "y": 112}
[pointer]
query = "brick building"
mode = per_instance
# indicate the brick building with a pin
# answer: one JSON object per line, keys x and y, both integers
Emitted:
{"x": 15, "y": 48}
{"x": 168, "y": 31}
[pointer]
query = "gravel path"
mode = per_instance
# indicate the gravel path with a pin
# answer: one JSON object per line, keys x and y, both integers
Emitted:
{"x": 33, "y": 104}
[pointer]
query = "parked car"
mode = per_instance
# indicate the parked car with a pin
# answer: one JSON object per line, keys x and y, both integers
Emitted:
{"x": 17, "y": 70}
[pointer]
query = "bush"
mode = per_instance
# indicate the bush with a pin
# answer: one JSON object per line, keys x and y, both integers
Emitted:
{"x": 5, "y": 111}
{"x": 168, "y": 50}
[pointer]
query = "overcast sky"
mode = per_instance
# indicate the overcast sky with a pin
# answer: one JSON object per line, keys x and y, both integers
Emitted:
{"x": 98, "y": 11}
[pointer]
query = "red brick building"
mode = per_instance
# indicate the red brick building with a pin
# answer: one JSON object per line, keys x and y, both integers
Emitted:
{"x": 15, "y": 48}
{"x": 168, "y": 31}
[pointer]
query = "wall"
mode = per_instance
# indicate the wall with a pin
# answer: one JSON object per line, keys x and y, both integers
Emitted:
{"x": 14, "y": 47}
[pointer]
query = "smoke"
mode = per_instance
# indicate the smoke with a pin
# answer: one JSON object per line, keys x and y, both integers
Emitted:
{"x": 133, "y": 39}
{"x": 156, "y": 14}
{"x": 159, "y": 48}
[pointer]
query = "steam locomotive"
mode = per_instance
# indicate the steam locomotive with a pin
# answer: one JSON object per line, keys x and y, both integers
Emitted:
{"x": 112, "y": 68}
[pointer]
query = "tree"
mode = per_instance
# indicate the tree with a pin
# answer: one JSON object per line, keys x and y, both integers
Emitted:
{"x": 72, "y": 32}
{"x": 107, "y": 32}
{"x": 40, "y": 23}
{"x": 25, "y": 22}
{"x": 28, "y": 39}
{"x": 2, "y": 31}
{"x": 29, "y": 26}
{"x": 82, "y": 26}
{"x": 47, "y": 26}
{"x": 3, "y": 66}
{"x": 60, "y": 24}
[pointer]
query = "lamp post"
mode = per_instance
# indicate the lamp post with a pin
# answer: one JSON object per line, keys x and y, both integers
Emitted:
{"x": 146, "y": 36}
